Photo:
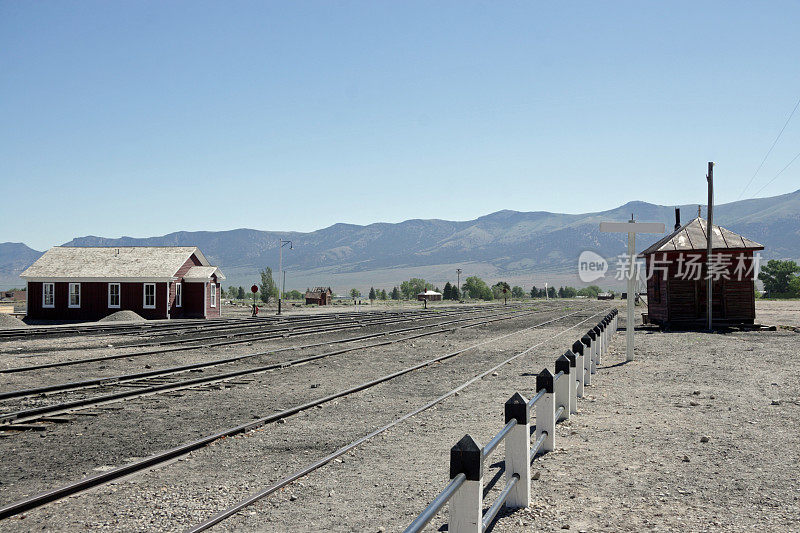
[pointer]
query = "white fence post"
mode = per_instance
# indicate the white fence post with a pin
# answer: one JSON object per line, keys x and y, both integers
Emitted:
{"x": 601, "y": 342}
{"x": 546, "y": 411}
{"x": 573, "y": 382}
{"x": 518, "y": 449}
{"x": 466, "y": 505}
{"x": 577, "y": 349}
{"x": 595, "y": 345}
{"x": 587, "y": 360}
{"x": 563, "y": 388}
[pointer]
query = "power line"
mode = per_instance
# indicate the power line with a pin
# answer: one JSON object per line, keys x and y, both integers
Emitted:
{"x": 778, "y": 174}
{"x": 770, "y": 151}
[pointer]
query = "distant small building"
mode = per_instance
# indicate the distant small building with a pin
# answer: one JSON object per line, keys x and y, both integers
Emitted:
{"x": 71, "y": 283}
{"x": 319, "y": 296}
{"x": 431, "y": 296}
{"x": 605, "y": 296}
{"x": 677, "y": 287}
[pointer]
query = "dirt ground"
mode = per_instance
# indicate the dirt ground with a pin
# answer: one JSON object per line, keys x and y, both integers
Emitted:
{"x": 698, "y": 434}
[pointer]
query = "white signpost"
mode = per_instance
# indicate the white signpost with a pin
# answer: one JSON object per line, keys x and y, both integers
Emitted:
{"x": 631, "y": 228}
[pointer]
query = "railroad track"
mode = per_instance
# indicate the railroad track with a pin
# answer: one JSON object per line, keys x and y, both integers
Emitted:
{"x": 152, "y": 382}
{"x": 159, "y": 458}
{"x": 225, "y": 342}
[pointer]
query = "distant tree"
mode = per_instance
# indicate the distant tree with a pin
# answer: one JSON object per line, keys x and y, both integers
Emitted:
{"x": 551, "y": 292}
{"x": 794, "y": 287}
{"x": 501, "y": 290}
{"x": 447, "y": 293}
{"x": 534, "y": 292}
{"x": 777, "y": 276}
{"x": 569, "y": 292}
{"x": 414, "y": 286}
{"x": 590, "y": 292}
{"x": 355, "y": 293}
{"x": 475, "y": 287}
{"x": 517, "y": 292}
{"x": 372, "y": 295}
{"x": 561, "y": 292}
{"x": 241, "y": 294}
{"x": 395, "y": 293}
{"x": 455, "y": 294}
{"x": 233, "y": 292}
{"x": 294, "y": 294}
{"x": 383, "y": 295}
{"x": 268, "y": 288}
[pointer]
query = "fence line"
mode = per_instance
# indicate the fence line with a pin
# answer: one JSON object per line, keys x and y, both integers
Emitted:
{"x": 555, "y": 400}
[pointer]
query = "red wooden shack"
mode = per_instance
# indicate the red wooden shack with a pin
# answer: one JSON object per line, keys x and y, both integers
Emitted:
{"x": 677, "y": 274}
{"x": 156, "y": 282}
{"x": 319, "y": 296}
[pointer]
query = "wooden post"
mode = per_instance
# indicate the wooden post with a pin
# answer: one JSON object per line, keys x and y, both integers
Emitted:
{"x": 546, "y": 411}
{"x": 518, "y": 449}
{"x": 573, "y": 382}
{"x": 466, "y": 506}
{"x": 563, "y": 387}
{"x": 577, "y": 349}
{"x": 710, "y": 239}
{"x": 631, "y": 294}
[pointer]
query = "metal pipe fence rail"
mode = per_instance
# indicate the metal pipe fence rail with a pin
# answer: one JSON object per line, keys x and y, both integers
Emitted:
{"x": 555, "y": 400}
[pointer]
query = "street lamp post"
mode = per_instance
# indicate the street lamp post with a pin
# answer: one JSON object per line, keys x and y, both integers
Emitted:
{"x": 282, "y": 243}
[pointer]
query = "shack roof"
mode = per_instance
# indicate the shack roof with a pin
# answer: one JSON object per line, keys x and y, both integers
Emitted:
{"x": 203, "y": 273}
{"x": 692, "y": 237}
{"x": 122, "y": 262}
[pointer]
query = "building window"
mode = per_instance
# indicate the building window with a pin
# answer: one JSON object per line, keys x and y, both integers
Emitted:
{"x": 178, "y": 295}
{"x": 74, "y": 295}
{"x": 48, "y": 295}
{"x": 149, "y": 296}
{"x": 213, "y": 295}
{"x": 113, "y": 295}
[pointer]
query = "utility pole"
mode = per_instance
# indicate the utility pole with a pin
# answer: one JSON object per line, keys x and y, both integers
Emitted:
{"x": 281, "y": 244}
{"x": 546, "y": 296}
{"x": 458, "y": 283}
{"x": 709, "y": 238}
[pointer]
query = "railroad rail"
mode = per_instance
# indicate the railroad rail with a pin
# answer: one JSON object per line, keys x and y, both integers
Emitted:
{"x": 8, "y": 420}
{"x": 167, "y": 455}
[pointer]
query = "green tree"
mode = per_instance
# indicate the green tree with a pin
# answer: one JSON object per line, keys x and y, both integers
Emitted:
{"x": 569, "y": 292}
{"x": 395, "y": 293}
{"x": 517, "y": 292}
{"x": 455, "y": 294}
{"x": 383, "y": 294}
{"x": 241, "y": 294}
{"x": 475, "y": 287}
{"x": 777, "y": 276}
{"x": 355, "y": 293}
{"x": 293, "y": 294}
{"x": 372, "y": 295}
{"x": 268, "y": 288}
{"x": 233, "y": 292}
{"x": 447, "y": 292}
{"x": 794, "y": 287}
{"x": 501, "y": 289}
{"x": 414, "y": 286}
{"x": 534, "y": 292}
{"x": 590, "y": 292}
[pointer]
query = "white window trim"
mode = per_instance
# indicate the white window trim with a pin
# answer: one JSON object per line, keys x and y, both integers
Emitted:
{"x": 144, "y": 296}
{"x": 213, "y": 295}
{"x": 44, "y": 291}
{"x": 178, "y": 295}
{"x": 119, "y": 296}
{"x": 69, "y": 296}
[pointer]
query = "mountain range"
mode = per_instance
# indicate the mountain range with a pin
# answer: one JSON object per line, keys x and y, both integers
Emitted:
{"x": 520, "y": 247}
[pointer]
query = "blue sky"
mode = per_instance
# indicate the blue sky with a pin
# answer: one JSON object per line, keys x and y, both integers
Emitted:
{"x": 143, "y": 118}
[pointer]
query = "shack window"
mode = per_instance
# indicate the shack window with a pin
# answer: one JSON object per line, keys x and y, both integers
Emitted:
{"x": 113, "y": 295}
{"x": 48, "y": 294}
{"x": 74, "y": 295}
{"x": 149, "y": 295}
{"x": 213, "y": 295}
{"x": 178, "y": 295}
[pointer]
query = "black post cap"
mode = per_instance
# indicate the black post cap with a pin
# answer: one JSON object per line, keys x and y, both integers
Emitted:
{"x": 577, "y": 347}
{"x": 592, "y": 335}
{"x": 466, "y": 457}
{"x": 597, "y": 330}
{"x": 571, "y": 356}
{"x": 516, "y": 408}
{"x": 563, "y": 364}
{"x": 544, "y": 380}
{"x": 586, "y": 340}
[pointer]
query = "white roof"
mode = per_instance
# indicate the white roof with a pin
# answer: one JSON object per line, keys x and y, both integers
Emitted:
{"x": 123, "y": 262}
{"x": 203, "y": 273}
{"x": 429, "y": 293}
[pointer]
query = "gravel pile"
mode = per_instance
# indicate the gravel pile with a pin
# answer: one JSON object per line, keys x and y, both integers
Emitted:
{"x": 11, "y": 322}
{"x": 122, "y": 316}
